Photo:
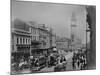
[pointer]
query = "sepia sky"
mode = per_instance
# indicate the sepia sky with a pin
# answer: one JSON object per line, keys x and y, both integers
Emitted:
{"x": 57, "y": 16}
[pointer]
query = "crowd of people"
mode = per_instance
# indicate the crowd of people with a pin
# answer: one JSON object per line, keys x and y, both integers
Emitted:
{"x": 33, "y": 63}
{"x": 79, "y": 61}
{"x": 20, "y": 63}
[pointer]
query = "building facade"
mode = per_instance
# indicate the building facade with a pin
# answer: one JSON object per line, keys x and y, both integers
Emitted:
{"x": 44, "y": 36}
{"x": 34, "y": 35}
{"x": 62, "y": 44}
{"x": 21, "y": 39}
{"x": 30, "y": 37}
{"x": 91, "y": 52}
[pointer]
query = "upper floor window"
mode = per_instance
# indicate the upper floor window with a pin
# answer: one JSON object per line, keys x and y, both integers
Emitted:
{"x": 23, "y": 40}
{"x": 20, "y": 40}
{"x": 17, "y": 40}
{"x": 28, "y": 41}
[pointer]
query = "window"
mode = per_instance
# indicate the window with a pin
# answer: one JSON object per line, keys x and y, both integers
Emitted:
{"x": 32, "y": 37}
{"x": 20, "y": 40}
{"x": 26, "y": 40}
{"x": 23, "y": 40}
{"x": 35, "y": 38}
{"x": 34, "y": 31}
{"x": 17, "y": 40}
{"x": 44, "y": 37}
{"x": 30, "y": 29}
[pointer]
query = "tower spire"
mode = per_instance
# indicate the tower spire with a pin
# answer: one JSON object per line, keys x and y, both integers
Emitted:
{"x": 73, "y": 29}
{"x": 73, "y": 18}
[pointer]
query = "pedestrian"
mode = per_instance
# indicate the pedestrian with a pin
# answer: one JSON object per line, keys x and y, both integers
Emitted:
{"x": 84, "y": 63}
{"x": 73, "y": 62}
{"x": 21, "y": 64}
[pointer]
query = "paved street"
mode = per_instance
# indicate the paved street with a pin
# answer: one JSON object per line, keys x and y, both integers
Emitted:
{"x": 68, "y": 57}
{"x": 25, "y": 71}
{"x": 51, "y": 69}
{"x": 69, "y": 61}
